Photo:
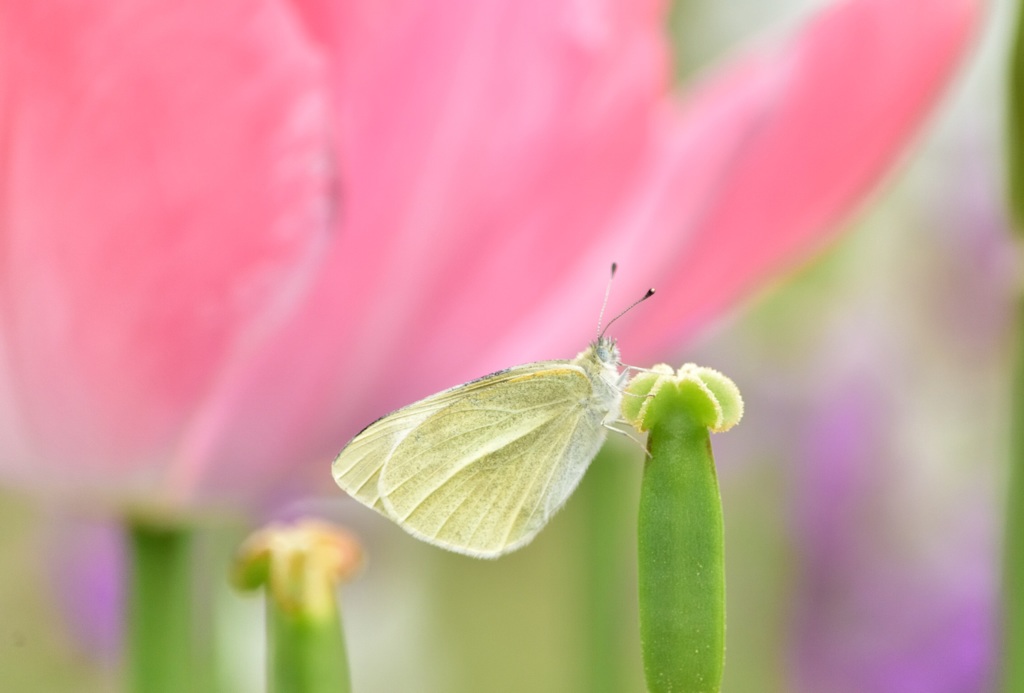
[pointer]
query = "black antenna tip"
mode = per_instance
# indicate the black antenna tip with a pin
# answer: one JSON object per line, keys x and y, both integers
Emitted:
{"x": 615, "y": 266}
{"x": 650, "y": 292}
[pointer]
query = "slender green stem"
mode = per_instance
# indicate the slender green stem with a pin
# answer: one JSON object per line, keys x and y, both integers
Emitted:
{"x": 1013, "y": 566}
{"x": 606, "y": 623}
{"x": 159, "y": 609}
{"x": 306, "y": 652}
{"x": 681, "y": 554}
{"x": 1015, "y": 124}
{"x": 1013, "y": 558}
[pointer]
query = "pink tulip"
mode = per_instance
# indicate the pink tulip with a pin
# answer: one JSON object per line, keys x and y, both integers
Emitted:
{"x": 233, "y": 233}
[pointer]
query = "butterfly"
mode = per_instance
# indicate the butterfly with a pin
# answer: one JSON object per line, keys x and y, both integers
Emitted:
{"x": 480, "y": 468}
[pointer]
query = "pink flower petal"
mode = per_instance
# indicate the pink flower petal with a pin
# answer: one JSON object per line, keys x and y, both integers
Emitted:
{"x": 849, "y": 93}
{"x": 478, "y": 150}
{"x": 165, "y": 196}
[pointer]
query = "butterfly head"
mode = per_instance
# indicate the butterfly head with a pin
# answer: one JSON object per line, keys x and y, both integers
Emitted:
{"x": 606, "y": 350}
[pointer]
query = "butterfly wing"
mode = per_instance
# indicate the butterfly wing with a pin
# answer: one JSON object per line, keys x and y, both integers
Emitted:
{"x": 357, "y": 467}
{"x": 488, "y": 464}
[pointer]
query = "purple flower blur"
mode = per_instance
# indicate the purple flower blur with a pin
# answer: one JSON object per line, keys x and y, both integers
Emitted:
{"x": 875, "y": 612}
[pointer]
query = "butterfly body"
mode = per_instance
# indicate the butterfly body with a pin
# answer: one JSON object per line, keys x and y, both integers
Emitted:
{"x": 480, "y": 468}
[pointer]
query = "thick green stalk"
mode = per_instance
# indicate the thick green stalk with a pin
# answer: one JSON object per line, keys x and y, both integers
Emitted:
{"x": 681, "y": 542}
{"x": 159, "y": 609}
{"x": 306, "y": 652}
{"x": 299, "y": 567}
{"x": 681, "y": 556}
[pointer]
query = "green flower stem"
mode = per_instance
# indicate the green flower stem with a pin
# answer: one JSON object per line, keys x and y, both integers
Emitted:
{"x": 1015, "y": 124}
{"x": 159, "y": 609}
{"x": 681, "y": 541}
{"x": 1013, "y": 560}
{"x": 306, "y": 651}
{"x": 681, "y": 555}
{"x": 299, "y": 567}
{"x": 605, "y": 538}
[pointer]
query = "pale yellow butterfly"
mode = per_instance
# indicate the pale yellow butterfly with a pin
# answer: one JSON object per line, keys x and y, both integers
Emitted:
{"x": 480, "y": 468}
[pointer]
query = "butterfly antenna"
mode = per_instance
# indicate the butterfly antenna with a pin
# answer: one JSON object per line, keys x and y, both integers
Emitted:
{"x": 631, "y": 306}
{"x": 604, "y": 304}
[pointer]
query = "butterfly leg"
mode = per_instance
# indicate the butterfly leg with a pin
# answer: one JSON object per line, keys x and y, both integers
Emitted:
{"x": 629, "y": 434}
